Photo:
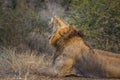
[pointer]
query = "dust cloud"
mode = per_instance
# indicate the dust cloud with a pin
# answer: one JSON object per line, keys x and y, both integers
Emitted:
{"x": 51, "y": 10}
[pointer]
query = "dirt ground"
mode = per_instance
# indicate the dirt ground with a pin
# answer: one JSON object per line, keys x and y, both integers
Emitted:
{"x": 36, "y": 77}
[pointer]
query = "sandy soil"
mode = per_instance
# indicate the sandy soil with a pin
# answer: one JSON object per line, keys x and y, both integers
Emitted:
{"x": 36, "y": 77}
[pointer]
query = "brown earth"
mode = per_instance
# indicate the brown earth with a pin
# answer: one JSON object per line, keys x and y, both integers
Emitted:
{"x": 37, "y": 77}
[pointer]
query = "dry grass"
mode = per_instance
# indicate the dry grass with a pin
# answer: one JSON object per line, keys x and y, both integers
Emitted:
{"x": 26, "y": 66}
{"x": 20, "y": 66}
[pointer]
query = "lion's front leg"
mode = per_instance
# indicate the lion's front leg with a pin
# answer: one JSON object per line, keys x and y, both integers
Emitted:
{"x": 63, "y": 66}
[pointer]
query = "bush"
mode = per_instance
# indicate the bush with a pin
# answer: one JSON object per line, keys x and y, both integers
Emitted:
{"x": 99, "y": 21}
{"x": 18, "y": 29}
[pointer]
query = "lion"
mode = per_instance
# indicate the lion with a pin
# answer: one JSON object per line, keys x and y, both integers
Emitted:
{"x": 75, "y": 57}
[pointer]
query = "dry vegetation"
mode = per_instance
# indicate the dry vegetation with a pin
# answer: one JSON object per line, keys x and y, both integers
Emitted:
{"x": 21, "y": 65}
{"x": 26, "y": 66}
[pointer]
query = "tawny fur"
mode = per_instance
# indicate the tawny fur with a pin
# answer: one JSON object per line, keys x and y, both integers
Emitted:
{"x": 75, "y": 57}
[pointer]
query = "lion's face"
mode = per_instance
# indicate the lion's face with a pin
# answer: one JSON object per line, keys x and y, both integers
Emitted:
{"x": 60, "y": 27}
{"x": 62, "y": 30}
{"x": 58, "y": 34}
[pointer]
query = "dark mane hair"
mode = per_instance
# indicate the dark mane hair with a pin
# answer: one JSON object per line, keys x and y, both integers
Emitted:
{"x": 72, "y": 32}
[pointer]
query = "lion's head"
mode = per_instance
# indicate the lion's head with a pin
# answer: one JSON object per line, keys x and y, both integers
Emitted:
{"x": 62, "y": 31}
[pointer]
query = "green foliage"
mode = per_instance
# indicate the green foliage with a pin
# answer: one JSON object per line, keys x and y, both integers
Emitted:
{"x": 98, "y": 19}
{"x": 100, "y": 22}
{"x": 16, "y": 24}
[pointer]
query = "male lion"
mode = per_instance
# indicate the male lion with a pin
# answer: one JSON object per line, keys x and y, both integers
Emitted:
{"x": 75, "y": 57}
